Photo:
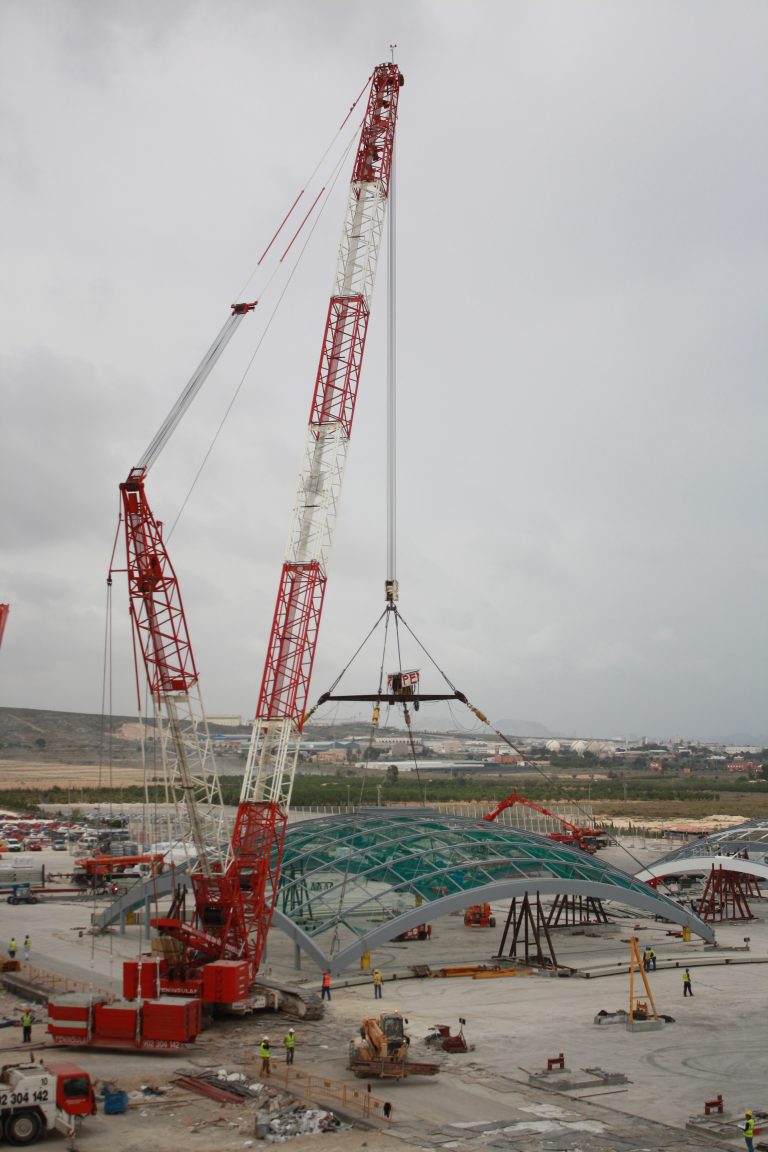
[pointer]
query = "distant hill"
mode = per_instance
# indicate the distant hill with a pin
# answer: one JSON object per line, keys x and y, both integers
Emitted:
{"x": 42, "y": 736}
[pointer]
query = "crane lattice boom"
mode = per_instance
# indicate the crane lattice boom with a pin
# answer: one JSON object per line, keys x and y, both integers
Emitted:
{"x": 243, "y": 899}
{"x": 161, "y": 635}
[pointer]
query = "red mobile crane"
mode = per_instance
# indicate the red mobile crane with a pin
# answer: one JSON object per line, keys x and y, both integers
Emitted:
{"x": 161, "y": 636}
{"x": 588, "y": 839}
{"x": 216, "y": 956}
{"x": 233, "y": 907}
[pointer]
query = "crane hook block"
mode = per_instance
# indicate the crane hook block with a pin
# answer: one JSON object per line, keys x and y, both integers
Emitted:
{"x": 391, "y": 591}
{"x": 241, "y": 309}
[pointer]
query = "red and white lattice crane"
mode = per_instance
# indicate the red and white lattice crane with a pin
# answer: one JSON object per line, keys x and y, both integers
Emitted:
{"x": 161, "y": 635}
{"x": 235, "y": 895}
{"x": 234, "y": 907}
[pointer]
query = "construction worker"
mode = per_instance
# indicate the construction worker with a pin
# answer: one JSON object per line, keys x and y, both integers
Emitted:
{"x": 27, "y": 946}
{"x": 325, "y": 991}
{"x": 652, "y": 959}
{"x": 266, "y": 1055}
{"x": 12, "y": 948}
{"x": 376, "y": 984}
{"x": 26, "y": 1026}
{"x": 687, "y": 989}
{"x": 749, "y": 1130}
{"x": 289, "y": 1042}
{"x": 647, "y": 959}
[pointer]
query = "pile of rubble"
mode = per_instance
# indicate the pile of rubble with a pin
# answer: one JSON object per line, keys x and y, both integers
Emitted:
{"x": 279, "y": 1118}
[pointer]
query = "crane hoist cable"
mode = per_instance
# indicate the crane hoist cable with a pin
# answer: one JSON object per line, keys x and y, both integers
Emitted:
{"x": 227, "y": 330}
{"x": 374, "y": 723}
{"x": 374, "y": 717}
{"x": 391, "y": 698}
{"x": 157, "y": 612}
{"x": 502, "y": 736}
{"x": 106, "y": 689}
{"x": 268, "y": 324}
{"x": 307, "y": 183}
{"x": 406, "y": 713}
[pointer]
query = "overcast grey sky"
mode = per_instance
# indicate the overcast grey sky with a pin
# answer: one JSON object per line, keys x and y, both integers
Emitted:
{"x": 583, "y": 255}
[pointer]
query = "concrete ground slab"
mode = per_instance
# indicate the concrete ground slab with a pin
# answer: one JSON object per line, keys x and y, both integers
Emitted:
{"x": 483, "y": 1098}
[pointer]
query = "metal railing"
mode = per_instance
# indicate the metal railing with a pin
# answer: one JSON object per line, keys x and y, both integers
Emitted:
{"x": 312, "y": 1087}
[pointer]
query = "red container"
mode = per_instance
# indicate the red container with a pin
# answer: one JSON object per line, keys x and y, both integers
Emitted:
{"x": 170, "y": 1018}
{"x": 225, "y": 981}
{"x": 141, "y": 978}
{"x": 73, "y": 1006}
{"x": 69, "y": 1014}
{"x": 115, "y": 1021}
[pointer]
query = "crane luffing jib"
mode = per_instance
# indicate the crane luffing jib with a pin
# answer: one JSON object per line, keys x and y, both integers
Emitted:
{"x": 161, "y": 633}
{"x": 155, "y": 597}
{"x": 196, "y": 382}
{"x": 243, "y": 900}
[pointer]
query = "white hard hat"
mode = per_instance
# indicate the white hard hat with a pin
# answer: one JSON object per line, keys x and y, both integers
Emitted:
{"x": 290, "y": 1029}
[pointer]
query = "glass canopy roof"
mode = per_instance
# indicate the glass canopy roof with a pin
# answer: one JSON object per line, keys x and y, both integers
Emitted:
{"x": 366, "y": 876}
{"x": 750, "y": 837}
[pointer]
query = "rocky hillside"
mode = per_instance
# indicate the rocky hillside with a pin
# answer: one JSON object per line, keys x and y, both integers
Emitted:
{"x": 45, "y": 737}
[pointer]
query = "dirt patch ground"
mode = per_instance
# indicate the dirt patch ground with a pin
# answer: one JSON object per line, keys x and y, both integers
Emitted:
{"x": 17, "y": 774}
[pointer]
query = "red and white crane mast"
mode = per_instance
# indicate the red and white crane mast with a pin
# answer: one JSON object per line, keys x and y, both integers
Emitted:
{"x": 161, "y": 634}
{"x": 253, "y": 863}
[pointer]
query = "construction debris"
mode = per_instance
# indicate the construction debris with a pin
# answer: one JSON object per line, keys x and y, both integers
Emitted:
{"x": 278, "y": 1119}
{"x": 299, "y": 1121}
{"x": 619, "y": 1016}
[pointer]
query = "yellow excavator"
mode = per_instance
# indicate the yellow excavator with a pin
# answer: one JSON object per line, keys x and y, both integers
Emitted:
{"x": 383, "y": 1049}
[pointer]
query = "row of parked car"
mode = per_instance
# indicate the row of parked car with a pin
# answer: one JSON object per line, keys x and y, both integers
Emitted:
{"x": 11, "y": 844}
{"x": 35, "y": 835}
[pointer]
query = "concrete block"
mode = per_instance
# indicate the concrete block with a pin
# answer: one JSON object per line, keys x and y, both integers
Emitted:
{"x": 644, "y": 1025}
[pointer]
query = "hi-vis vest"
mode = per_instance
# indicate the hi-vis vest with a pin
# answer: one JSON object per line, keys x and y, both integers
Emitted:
{"x": 290, "y": 1040}
{"x": 749, "y": 1128}
{"x": 264, "y": 1051}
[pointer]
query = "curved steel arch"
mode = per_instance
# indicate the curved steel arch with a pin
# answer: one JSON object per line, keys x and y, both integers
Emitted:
{"x": 426, "y": 832}
{"x": 651, "y": 902}
{"x": 683, "y": 865}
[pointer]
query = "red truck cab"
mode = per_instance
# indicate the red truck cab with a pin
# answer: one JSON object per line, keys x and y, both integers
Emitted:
{"x": 74, "y": 1091}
